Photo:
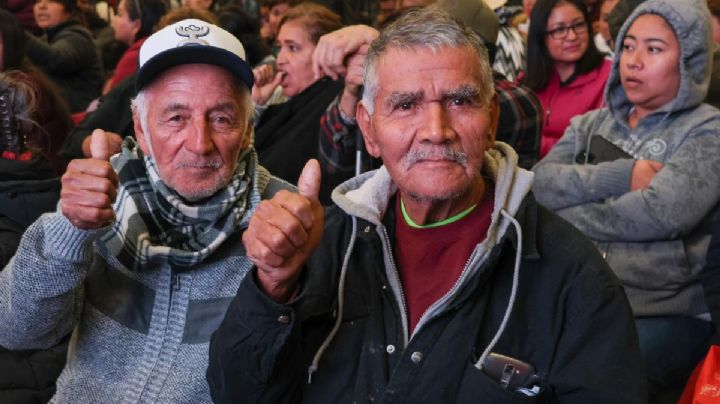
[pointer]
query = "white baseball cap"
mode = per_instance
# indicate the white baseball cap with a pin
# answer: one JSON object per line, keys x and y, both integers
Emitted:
{"x": 187, "y": 42}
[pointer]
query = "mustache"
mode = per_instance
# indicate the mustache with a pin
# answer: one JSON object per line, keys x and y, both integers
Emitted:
{"x": 436, "y": 153}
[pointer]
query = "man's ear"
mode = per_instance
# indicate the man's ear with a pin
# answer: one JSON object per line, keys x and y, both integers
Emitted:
{"x": 494, "y": 112}
{"x": 363, "y": 119}
{"x": 139, "y": 134}
{"x": 248, "y": 134}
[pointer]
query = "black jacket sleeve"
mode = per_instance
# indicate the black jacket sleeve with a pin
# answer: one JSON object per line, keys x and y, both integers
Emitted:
{"x": 710, "y": 277}
{"x": 256, "y": 355}
{"x": 113, "y": 114}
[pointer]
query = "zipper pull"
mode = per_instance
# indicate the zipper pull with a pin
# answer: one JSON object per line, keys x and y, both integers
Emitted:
{"x": 177, "y": 282}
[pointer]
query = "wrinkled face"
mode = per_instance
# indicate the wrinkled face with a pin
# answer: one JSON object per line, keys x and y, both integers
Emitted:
{"x": 276, "y": 14}
{"x": 650, "y": 63}
{"x": 605, "y": 9}
{"x": 573, "y": 45}
{"x": 202, "y": 5}
{"x": 295, "y": 58}
{"x": 429, "y": 125}
{"x": 196, "y": 136}
{"x": 49, "y": 14}
{"x": 124, "y": 28}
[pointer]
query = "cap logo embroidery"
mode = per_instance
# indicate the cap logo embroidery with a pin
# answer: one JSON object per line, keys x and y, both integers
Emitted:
{"x": 193, "y": 33}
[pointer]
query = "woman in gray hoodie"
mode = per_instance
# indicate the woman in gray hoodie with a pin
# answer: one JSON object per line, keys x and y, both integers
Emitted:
{"x": 640, "y": 178}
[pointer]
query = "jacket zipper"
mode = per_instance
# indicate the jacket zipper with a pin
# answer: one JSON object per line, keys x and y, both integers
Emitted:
{"x": 460, "y": 280}
{"x": 403, "y": 305}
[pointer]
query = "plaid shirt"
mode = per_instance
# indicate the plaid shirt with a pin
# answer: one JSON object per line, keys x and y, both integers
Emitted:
{"x": 520, "y": 126}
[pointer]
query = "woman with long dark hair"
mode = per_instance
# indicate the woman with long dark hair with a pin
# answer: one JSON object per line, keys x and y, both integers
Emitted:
{"x": 564, "y": 67}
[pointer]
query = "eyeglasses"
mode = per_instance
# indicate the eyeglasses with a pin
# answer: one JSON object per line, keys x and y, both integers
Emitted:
{"x": 561, "y": 32}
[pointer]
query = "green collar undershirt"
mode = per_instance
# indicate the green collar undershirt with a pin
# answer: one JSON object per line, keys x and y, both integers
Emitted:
{"x": 452, "y": 219}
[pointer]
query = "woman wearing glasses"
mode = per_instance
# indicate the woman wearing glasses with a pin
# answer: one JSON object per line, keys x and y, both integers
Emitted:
{"x": 132, "y": 24}
{"x": 564, "y": 68}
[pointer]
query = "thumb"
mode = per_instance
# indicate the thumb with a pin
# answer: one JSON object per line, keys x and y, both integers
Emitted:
{"x": 99, "y": 148}
{"x": 309, "y": 181}
{"x": 277, "y": 79}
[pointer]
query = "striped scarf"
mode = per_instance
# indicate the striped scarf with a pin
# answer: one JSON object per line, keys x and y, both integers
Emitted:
{"x": 154, "y": 225}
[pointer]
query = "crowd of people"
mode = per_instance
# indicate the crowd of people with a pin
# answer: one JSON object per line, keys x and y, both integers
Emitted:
{"x": 275, "y": 201}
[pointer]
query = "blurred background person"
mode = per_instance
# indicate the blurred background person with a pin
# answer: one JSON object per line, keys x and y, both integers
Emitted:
{"x": 604, "y": 42}
{"x": 51, "y": 114}
{"x": 132, "y": 24}
{"x": 29, "y": 187}
{"x": 113, "y": 114}
{"x": 23, "y": 10}
{"x": 286, "y": 133}
{"x": 510, "y": 45}
{"x": 66, "y": 52}
{"x": 639, "y": 178}
{"x": 276, "y": 9}
{"x": 235, "y": 20}
{"x": 564, "y": 68}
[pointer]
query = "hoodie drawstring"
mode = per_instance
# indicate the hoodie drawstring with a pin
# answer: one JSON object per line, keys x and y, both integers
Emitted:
{"x": 513, "y": 292}
{"x": 341, "y": 303}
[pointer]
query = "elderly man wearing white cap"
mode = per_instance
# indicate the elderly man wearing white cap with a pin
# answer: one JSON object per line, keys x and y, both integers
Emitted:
{"x": 144, "y": 254}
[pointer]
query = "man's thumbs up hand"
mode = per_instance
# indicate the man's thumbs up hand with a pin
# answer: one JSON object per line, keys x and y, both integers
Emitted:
{"x": 284, "y": 232}
{"x": 89, "y": 187}
{"x": 309, "y": 181}
{"x": 99, "y": 147}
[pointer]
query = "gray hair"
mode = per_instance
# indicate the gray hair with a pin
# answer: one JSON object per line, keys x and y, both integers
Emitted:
{"x": 430, "y": 28}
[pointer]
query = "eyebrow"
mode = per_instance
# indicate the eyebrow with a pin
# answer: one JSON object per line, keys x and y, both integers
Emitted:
{"x": 466, "y": 91}
{"x": 398, "y": 97}
{"x": 175, "y": 107}
{"x": 223, "y": 107}
{"x": 565, "y": 24}
{"x": 646, "y": 40}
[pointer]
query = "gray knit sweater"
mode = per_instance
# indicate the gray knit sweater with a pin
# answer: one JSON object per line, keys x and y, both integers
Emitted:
{"x": 137, "y": 336}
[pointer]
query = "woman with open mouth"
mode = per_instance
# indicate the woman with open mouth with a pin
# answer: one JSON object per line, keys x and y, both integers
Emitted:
{"x": 286, "y": 134}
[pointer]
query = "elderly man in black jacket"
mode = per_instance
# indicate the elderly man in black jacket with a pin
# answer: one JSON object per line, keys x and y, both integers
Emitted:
{"x": 434, "y": 279}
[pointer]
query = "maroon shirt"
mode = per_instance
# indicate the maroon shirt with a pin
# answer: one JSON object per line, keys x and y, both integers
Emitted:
{"x": 431, "y": 260}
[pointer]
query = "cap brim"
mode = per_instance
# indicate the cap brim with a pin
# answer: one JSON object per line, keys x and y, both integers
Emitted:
{"x": 191, "y": 55}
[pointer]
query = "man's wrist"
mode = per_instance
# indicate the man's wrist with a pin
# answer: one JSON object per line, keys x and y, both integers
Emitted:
{"x": 348, "y": 100}
{"x": 279, "y": 292}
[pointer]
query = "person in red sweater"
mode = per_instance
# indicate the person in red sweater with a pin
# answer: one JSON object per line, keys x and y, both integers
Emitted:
{"x": 133, "y": 23}
{"x": 564, "y": 67}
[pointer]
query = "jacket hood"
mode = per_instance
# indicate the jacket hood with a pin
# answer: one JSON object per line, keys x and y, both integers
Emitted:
{"x": 367, "y": 196}
{"x": 690, "y": 20}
